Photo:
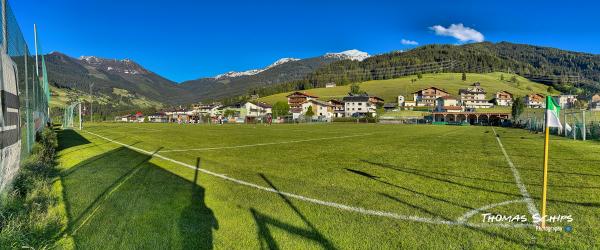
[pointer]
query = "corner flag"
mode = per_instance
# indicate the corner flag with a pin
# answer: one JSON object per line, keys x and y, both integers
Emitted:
{"x": 552, "y": 121}
{"x": 552, "y": 113}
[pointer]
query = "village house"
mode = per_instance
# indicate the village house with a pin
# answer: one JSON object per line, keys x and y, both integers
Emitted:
{"x": 330, "y": 85}
{"x": 210, "y": 110}
{"x": 595, "y": 102}
{"x": 158, "y": 117}
{"x": 401, "y": 100}
{"x": 390, "y": 106}
{"x": 535, "y": 101}
{"x": 427, "y": 96}
{"x": 474, "y": 97}
{"x": 503, "y": 98}
{"x": 296, "y": 99}
{"x": 322, "y": 111}
{"x": 409, "y": 105}
{"x": 448, "y": 104}
{"x": 181, "y": 115}
{"x": 338, "y": 108}
{"x": 125, "y": 118}
{"x": 359, "y": 106}
{"x": 566, "y": 101}
{"x": 256, "y": 111}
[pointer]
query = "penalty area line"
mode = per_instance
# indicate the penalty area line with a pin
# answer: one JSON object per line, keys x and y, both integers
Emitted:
{"x": 360, "y": 210}
{"x": 530, "y": 206}
{"x": 265, "y": 144}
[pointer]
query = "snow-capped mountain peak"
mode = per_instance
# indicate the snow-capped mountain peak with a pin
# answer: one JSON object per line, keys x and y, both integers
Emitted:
{"x": 233, "y": 74}
{"x": 353, "y": 54}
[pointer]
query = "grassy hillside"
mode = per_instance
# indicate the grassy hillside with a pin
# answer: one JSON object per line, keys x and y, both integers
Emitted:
{"x": 61, "y": 97}
{"x": 390, "y": 89}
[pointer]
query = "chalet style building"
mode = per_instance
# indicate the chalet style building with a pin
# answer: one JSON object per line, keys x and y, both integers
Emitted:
{"x": 595, "y": 102}
{"x": 296, "y": 99}
{"x": 448, "y": 104}
{"x": 322, "y": 110}
{"x": 566, "y": 101}
{"x": 474, "y": 97}
{"x": 338, "y": 108}
{"x": 504, "y": 98}
{"x": 535, "y": 101}
{"x": 427, "y": 96}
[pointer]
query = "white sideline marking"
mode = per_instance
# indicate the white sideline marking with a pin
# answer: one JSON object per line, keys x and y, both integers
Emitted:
{"x": 324, "y": 203}
{"x": 473, "y": 212}
{"x": 530, "y": 206}
{"x": 264, "y": 144}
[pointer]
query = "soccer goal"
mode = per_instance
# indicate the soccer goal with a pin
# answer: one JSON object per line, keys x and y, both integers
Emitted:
{"x": 72, "y": 116}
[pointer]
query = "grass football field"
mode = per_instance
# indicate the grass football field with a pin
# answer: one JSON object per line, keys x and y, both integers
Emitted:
{"x": 334, "y": 186}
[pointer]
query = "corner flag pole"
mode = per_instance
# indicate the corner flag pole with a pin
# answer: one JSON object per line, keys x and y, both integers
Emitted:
{"x": 552, "y": 121}
{"x": 545, "y": 185}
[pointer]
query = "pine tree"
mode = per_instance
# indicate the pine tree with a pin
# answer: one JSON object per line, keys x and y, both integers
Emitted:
{"x": 464, "y": 77}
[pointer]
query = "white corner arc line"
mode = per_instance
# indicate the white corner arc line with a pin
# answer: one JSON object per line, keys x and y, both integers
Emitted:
{"x": 265, "y": 144}
{"x": 473, "y": 212}
{"x": 530, "y": 206}
{"x": 321, "y": 202}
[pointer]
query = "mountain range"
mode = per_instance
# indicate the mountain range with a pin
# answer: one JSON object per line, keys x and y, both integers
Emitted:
{"x": 108, "y": 76}
{"x": 565, "y": 70}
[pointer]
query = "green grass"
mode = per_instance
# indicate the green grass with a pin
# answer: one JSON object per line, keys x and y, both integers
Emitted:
{"x": 452, "y": 82}
{"x": 118, "y": 198}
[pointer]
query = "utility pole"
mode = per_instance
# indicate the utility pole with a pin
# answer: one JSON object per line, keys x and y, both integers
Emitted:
{"x": 583, "y": 132}
{"x": 37, "y": 67}
{"x": 80, "y": 121}
{"x": 91, "y": 103}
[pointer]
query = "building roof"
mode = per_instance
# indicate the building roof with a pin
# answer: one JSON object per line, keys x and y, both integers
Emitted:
{"x": 298, "y": 93}
{"x": 262, "y": 105}
{"x": 377, "y": 98}
{"x": 336, "y": 102}
{"x": 322, "y": 103}
{"x": 504, "y": 91}
{"x": 356, "y": 98}
{"x": 432, "y": 87}
{"x": 390, "y": 105}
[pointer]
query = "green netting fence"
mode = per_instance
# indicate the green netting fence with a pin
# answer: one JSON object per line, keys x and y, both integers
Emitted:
{"x": 24, "y": 96}
{"x": 578, "y": 124}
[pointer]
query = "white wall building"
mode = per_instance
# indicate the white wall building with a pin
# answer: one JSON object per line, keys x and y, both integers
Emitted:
{"x": 359, "y": 105}
{"x": 474, "y": 97}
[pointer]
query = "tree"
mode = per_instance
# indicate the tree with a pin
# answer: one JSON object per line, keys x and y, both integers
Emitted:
{"x": 551, "y": 89}
{"x": 229, "y": 113}
{"x": 514, "y": 79}
{"x": 309, "y": 112}
{"x": 354, "y": 88}
{"x": 464, "y": 77}
{"x": 501, "y": 77}
{"x": 419, "y": 75}
{"x": 517, "y": 107}
{"x": 280, "y": 108}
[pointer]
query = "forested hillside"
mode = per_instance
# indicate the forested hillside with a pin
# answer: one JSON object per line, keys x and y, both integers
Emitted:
{"x": 566, "y": 71}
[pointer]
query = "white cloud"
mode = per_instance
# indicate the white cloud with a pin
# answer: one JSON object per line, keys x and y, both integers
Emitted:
{"x": 409, "y": 42}
{"x": 459, "y": 31}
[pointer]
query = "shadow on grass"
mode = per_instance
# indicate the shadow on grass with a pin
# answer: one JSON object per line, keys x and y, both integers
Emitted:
{"x": 434, "y": 214}
{"x": 416, "y": 173}
{"x": 68, "y": 138}
{"x": 119, "y": 200}
{"x": 489, "y": 233}
{"x": 263, "y": 222}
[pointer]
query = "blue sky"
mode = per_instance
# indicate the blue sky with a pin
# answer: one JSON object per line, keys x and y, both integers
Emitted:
{"x": 185, "y": 40}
